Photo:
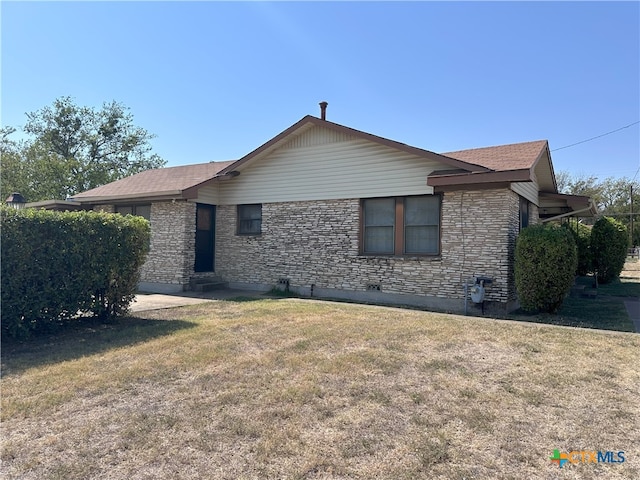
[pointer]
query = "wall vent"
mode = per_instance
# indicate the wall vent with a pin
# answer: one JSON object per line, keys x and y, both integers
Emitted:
{"x": 373, "y": 287}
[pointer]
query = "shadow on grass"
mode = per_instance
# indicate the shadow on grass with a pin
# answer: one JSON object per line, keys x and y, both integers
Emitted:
{"x": 600, "y": 308}
{"x": 85, "y": 337}
{"x": 601, "y": 313}
{"x": 623, "y": 287}
{"x": 273, "y": 294}
{"x": 247, "y": 299}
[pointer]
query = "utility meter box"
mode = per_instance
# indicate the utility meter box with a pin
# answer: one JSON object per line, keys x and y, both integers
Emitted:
{"x": 477, "y": 293}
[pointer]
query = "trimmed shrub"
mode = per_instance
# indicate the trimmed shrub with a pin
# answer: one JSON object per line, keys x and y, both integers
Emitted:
{"x": 582, "y": 236}
{"x": 56, "y": 265}
{"x": 546, "y": 261}
{"x": 609, "y": 244}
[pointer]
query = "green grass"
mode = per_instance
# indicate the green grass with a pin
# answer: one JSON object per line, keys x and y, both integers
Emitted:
{"x": 299, "y": 389}
{"x": 624, "y": 287}
{"x": 604, "y": 309}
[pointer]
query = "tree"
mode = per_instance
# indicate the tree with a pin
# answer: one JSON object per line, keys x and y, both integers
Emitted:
{"x": 563, "y": 180}
{"x": 582, "y": 184}
{"x": 72, "y": 149}
{"x": 29, "y": 169}
{"x": 612, "y": 196}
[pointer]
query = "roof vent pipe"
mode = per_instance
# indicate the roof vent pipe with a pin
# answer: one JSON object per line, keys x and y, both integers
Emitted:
{"x": 323, "y": 110}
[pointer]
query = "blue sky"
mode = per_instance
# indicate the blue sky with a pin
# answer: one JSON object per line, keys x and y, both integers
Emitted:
{"x": 215, "y": 80}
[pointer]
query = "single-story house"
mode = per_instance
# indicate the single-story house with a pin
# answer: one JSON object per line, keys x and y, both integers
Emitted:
{"x": 329, "y": 211}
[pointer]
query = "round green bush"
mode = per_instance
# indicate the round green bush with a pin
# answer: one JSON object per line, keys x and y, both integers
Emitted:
{"x": 546, "y": 262}
{"x": 609, "y": 244}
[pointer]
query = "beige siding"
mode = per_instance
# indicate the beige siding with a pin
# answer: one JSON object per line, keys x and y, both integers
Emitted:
{"x": 208, "y": 194}
{"x": 528, "y": 190}
{"x": 317, "y": 136}
{"x": 345, "y": 169}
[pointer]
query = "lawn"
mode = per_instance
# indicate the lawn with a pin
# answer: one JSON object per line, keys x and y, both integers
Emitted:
{"x": 299, "y": 389}
{"x": 600, "y": 307}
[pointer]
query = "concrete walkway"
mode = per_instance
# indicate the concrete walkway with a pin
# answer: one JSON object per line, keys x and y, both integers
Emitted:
{"x": 633, "y": 309}
{"x": 157, "y": 301}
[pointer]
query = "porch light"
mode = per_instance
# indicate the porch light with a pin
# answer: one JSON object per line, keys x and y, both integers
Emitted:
{"x": 16, "y": 200}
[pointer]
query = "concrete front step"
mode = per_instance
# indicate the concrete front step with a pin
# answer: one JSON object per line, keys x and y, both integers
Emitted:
{"x": 209, "y": 286}
{"x": 207, "y": 283}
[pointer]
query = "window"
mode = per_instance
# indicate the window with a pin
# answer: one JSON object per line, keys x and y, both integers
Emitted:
{"x": 524, "y": 213}
{"x": 140, "y": 210}
{"x": 401, "y": 225}
{"x": 422, "y": 225}
{"x": 379, "y": 225}
{"x": 250, "y": 219}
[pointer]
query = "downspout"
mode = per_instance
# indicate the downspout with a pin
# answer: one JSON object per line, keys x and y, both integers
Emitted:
{"x": 568, "y": 214}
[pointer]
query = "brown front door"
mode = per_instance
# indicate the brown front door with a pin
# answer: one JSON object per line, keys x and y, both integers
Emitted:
{"x": 205, "y": 237}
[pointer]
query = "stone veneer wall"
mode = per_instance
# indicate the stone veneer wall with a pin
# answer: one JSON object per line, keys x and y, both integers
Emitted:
{"x": 317, "y": 243}
{"x": 534, "y": 214}
{"x": 171, "y": 259}
{"x": 105, "y": 208}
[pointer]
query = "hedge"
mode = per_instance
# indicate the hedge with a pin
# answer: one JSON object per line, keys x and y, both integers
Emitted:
{"x": 582, "y": 236}
{"x": 57, "y": 266}
{"x": 609, "y": 247}
{"x": 546, "y": 261}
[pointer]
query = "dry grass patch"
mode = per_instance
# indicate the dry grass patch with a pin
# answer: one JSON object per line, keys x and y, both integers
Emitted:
{"x": 299, "y": 389}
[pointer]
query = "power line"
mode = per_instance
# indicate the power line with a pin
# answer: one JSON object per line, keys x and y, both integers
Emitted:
{"x": 599, "y": 136}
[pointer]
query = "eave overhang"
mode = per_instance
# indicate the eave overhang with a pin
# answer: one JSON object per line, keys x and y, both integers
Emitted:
{"x": 444, "y": 179}
{"x": 558, "y": 205}
{"x": 131, "y": 197}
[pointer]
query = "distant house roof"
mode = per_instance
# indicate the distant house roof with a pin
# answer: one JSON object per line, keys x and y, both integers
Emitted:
{"x": 169, "y": 182}
{"x": 56, "y": 205}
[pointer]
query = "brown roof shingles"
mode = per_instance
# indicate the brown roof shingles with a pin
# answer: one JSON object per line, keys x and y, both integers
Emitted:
{"x": 157, "y": 181}
{"x": 516, "y": 156}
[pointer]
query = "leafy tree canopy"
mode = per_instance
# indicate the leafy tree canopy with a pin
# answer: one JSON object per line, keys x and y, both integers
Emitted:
{"x": 612, "y": 196}
{"x": 71, "y": 149}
